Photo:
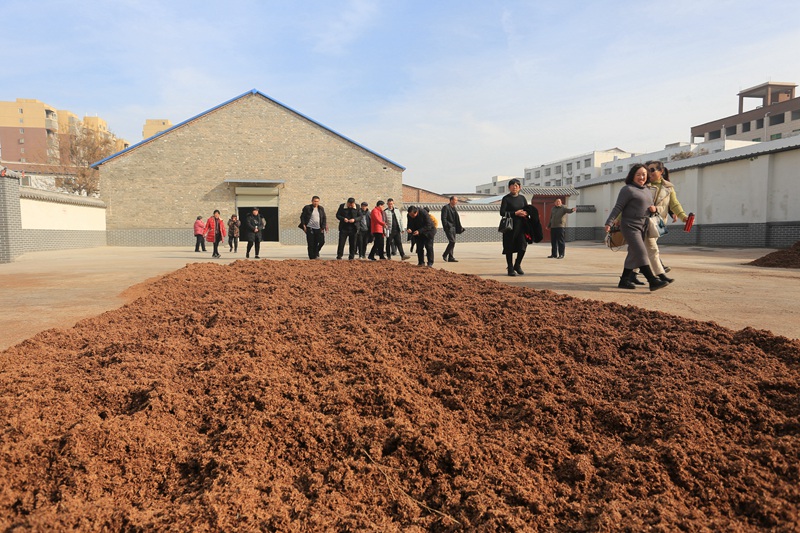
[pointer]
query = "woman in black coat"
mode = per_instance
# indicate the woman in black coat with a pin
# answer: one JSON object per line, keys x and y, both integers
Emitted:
{"x": 514, "y": 242}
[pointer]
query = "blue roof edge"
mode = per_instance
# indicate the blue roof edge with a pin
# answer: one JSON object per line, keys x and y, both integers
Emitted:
{"x": 253, "y": 92}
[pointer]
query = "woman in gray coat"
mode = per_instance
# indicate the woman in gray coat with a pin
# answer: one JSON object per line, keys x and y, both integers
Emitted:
{"x": 635, "y": 204}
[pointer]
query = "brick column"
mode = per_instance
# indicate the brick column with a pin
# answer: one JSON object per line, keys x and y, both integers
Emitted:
{"x": 10, "y": 218}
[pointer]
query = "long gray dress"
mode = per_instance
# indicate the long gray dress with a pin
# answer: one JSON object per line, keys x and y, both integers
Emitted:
{"x": 633, "y": 202}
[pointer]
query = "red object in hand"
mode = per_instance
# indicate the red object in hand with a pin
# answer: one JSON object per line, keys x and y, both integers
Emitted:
{"x": 689, "y": 221}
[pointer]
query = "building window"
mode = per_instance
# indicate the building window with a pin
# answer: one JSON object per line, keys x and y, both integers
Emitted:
{"x": 716, "y": 134}
{"x": 619, "y": 168}
{"x": 745, "y": 126}
{"x": 569, "y": 167}
{"x": 20, "y": 110}
{"x": 759, "y": 123}
{"x": 777, "y": 119}
{"x": 578, "y": 178}
{"x": 501, "y": 189}
{"x": 22, "y": 150}
{"x": 558, "y": 169}
{"x": 547, "y": 172}
{"x": 22, "y": 121}
{"x": 22, "y": 130}
{"x": 587, "y": 163}
{"x": 757, "y": 140}
{"x": 775, "y": 136}
{"x": 22, "y": 141}
{"x": 537, "y": 174}
{"x": 606, "y": 171}
{"x": 527, "y": 176}
{"x": 577, "y": 165}
{"x": 796, "y": 114}
{"x": 569, "y": 181}
{"x": 730, "y": 130}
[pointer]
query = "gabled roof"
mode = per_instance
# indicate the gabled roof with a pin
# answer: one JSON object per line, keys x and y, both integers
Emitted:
{"x": 253, "y": 91}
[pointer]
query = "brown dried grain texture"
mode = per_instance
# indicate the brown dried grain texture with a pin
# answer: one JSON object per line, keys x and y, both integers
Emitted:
{"x": 355, "y": 396}
{"x": 788, "y": 258}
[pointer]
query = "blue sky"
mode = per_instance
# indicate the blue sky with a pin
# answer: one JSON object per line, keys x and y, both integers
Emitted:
{"x": 455, "y": 91}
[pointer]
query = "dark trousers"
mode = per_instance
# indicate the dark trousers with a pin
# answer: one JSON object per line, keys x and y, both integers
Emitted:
{"x": 350, "y": 238}
{"x": 451, "y": 242}
{"x": 424, "y": 244}
{"x": 217, "y": 240}
{"x": 233, "y": 243}
{"x": 257, "y": 243}
{"x": 377, "y": 246}
{"x": 557, "y": 242}
{"x": 315, "y": 238}
{"x": 362, "y": 240}
{"x": 396, "y": 240}
{"x": 200, "y": 242}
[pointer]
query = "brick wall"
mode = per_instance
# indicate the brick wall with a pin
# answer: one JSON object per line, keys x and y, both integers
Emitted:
{"x": 162, "y": 185}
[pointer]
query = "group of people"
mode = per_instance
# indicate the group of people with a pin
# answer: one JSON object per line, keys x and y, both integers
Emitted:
{"x": 647, "y": 199}
{"x": 382, "y": 226}
{"x": 214, "y": 231}
{"x": 645, "y": 202}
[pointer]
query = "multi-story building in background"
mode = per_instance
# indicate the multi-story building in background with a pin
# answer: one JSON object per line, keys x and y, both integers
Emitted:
{"x": 777, "y": 117}
{"x": 37, "y": 133}
{"x": 154, "y": 126}
{"x": 572, "y": 170}
{"x": 498, "y": 185}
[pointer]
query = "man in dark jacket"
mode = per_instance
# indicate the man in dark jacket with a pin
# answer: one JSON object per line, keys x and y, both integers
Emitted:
{"x": 451, "y": 223}
{"x": 254, "y": 229}
{"x": 314, "y": 223}
{"x": 347, "y": 214}
{"x": 363, "y": 234}
{"x": 422, "y": 230}
{"x": 394, "y": 229}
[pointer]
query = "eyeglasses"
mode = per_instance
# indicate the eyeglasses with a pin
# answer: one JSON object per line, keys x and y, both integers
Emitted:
{"x": 652, "y": 170}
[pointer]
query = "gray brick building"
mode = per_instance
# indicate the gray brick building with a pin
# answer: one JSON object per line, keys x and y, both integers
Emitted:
{"x": 249, "y": 151}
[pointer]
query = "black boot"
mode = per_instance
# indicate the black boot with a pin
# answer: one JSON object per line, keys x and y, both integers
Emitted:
{"x": 653, "y": 281}
{"x": 510, "y": 265}
{"x": 625, "y": 279}
{"x": 518, "y": 263}
{"x": 634, "y": 279}
{"x": 663, "y": 277}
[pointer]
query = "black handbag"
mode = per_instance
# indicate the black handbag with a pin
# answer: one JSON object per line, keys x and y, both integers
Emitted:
{"x": 506, "y": 224}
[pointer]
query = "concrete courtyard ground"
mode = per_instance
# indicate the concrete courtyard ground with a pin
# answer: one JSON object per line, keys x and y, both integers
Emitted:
{"x": 56, "y": 289}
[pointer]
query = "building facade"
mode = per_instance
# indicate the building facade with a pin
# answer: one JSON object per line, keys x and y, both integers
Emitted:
{"x": 777, "y": 117}
{"x": 251, "y": 151}
{"x": 573, "y": 170}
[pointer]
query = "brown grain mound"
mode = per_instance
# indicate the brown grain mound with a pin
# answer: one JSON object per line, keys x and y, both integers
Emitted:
{"x": 788, "y": 258}
{"x": 355, "y": 396}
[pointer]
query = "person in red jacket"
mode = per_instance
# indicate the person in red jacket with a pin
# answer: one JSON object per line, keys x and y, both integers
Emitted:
{"x": 377, "y": 224}
{"x": 199, "y": 230}
{"x": 215, "y": 232}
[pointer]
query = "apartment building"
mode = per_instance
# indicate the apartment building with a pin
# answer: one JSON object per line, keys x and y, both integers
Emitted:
{"x": 777, "y": 116}
{"x": 671, "y": 153}
{"x": 498, "y": 185}
{"x": 572, "y": 170}
{"x": 154, "y": 126}
{"x": 35, "y": 132}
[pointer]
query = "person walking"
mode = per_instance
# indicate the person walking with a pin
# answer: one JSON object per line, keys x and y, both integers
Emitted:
{"x": 377, "y": 225}
{"x": 347, "y": 215}
{"x": 514, "y": 242}
{"x": 234, "y": 225}
{"x": 363, "y": 230}
{"x": 394, "y": 229}
{"x": 558, "y": 227}
{"x": 451, "y": 224}
{"x": 422, "y": 230}
{"x": 199, "y": 234}
{"x": 254, "y": 232}
{"x": 315, "y": 224}
{"x": 666, "y": 201}
{"x": 215, "y": 232}
{"x": 635, "y": 204}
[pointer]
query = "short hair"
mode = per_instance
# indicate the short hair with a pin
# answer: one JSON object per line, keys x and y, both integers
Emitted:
{"x": 364, "y": 203}
{"x": 413, "y": 209}
{"x": 514, "y": 181}
{"x": 380, "y": 202}
{"x": 216, "y": 211}
{"x": 454, "y": 197}
{"x": 314, "y": 198}
{"x": 632, "y": 172}
{"x": 390, "y": 200}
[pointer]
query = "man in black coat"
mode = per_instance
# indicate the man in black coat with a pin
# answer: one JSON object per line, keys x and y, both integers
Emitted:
{"x": 254, "y": 226}
{"x": 422, "y": 230}
{"x": 451, "y": 224}
{"x": 347, "y": 214}
{"x": 314, "y": 223}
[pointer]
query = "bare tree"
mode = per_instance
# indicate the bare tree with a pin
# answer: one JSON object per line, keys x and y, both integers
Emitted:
{"x": 80, "y": 148}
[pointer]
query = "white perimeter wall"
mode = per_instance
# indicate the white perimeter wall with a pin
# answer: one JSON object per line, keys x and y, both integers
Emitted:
{"x": 39, "y": 214}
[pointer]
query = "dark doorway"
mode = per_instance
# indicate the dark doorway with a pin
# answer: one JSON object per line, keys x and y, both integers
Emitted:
{"x": 270, "y": 215}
